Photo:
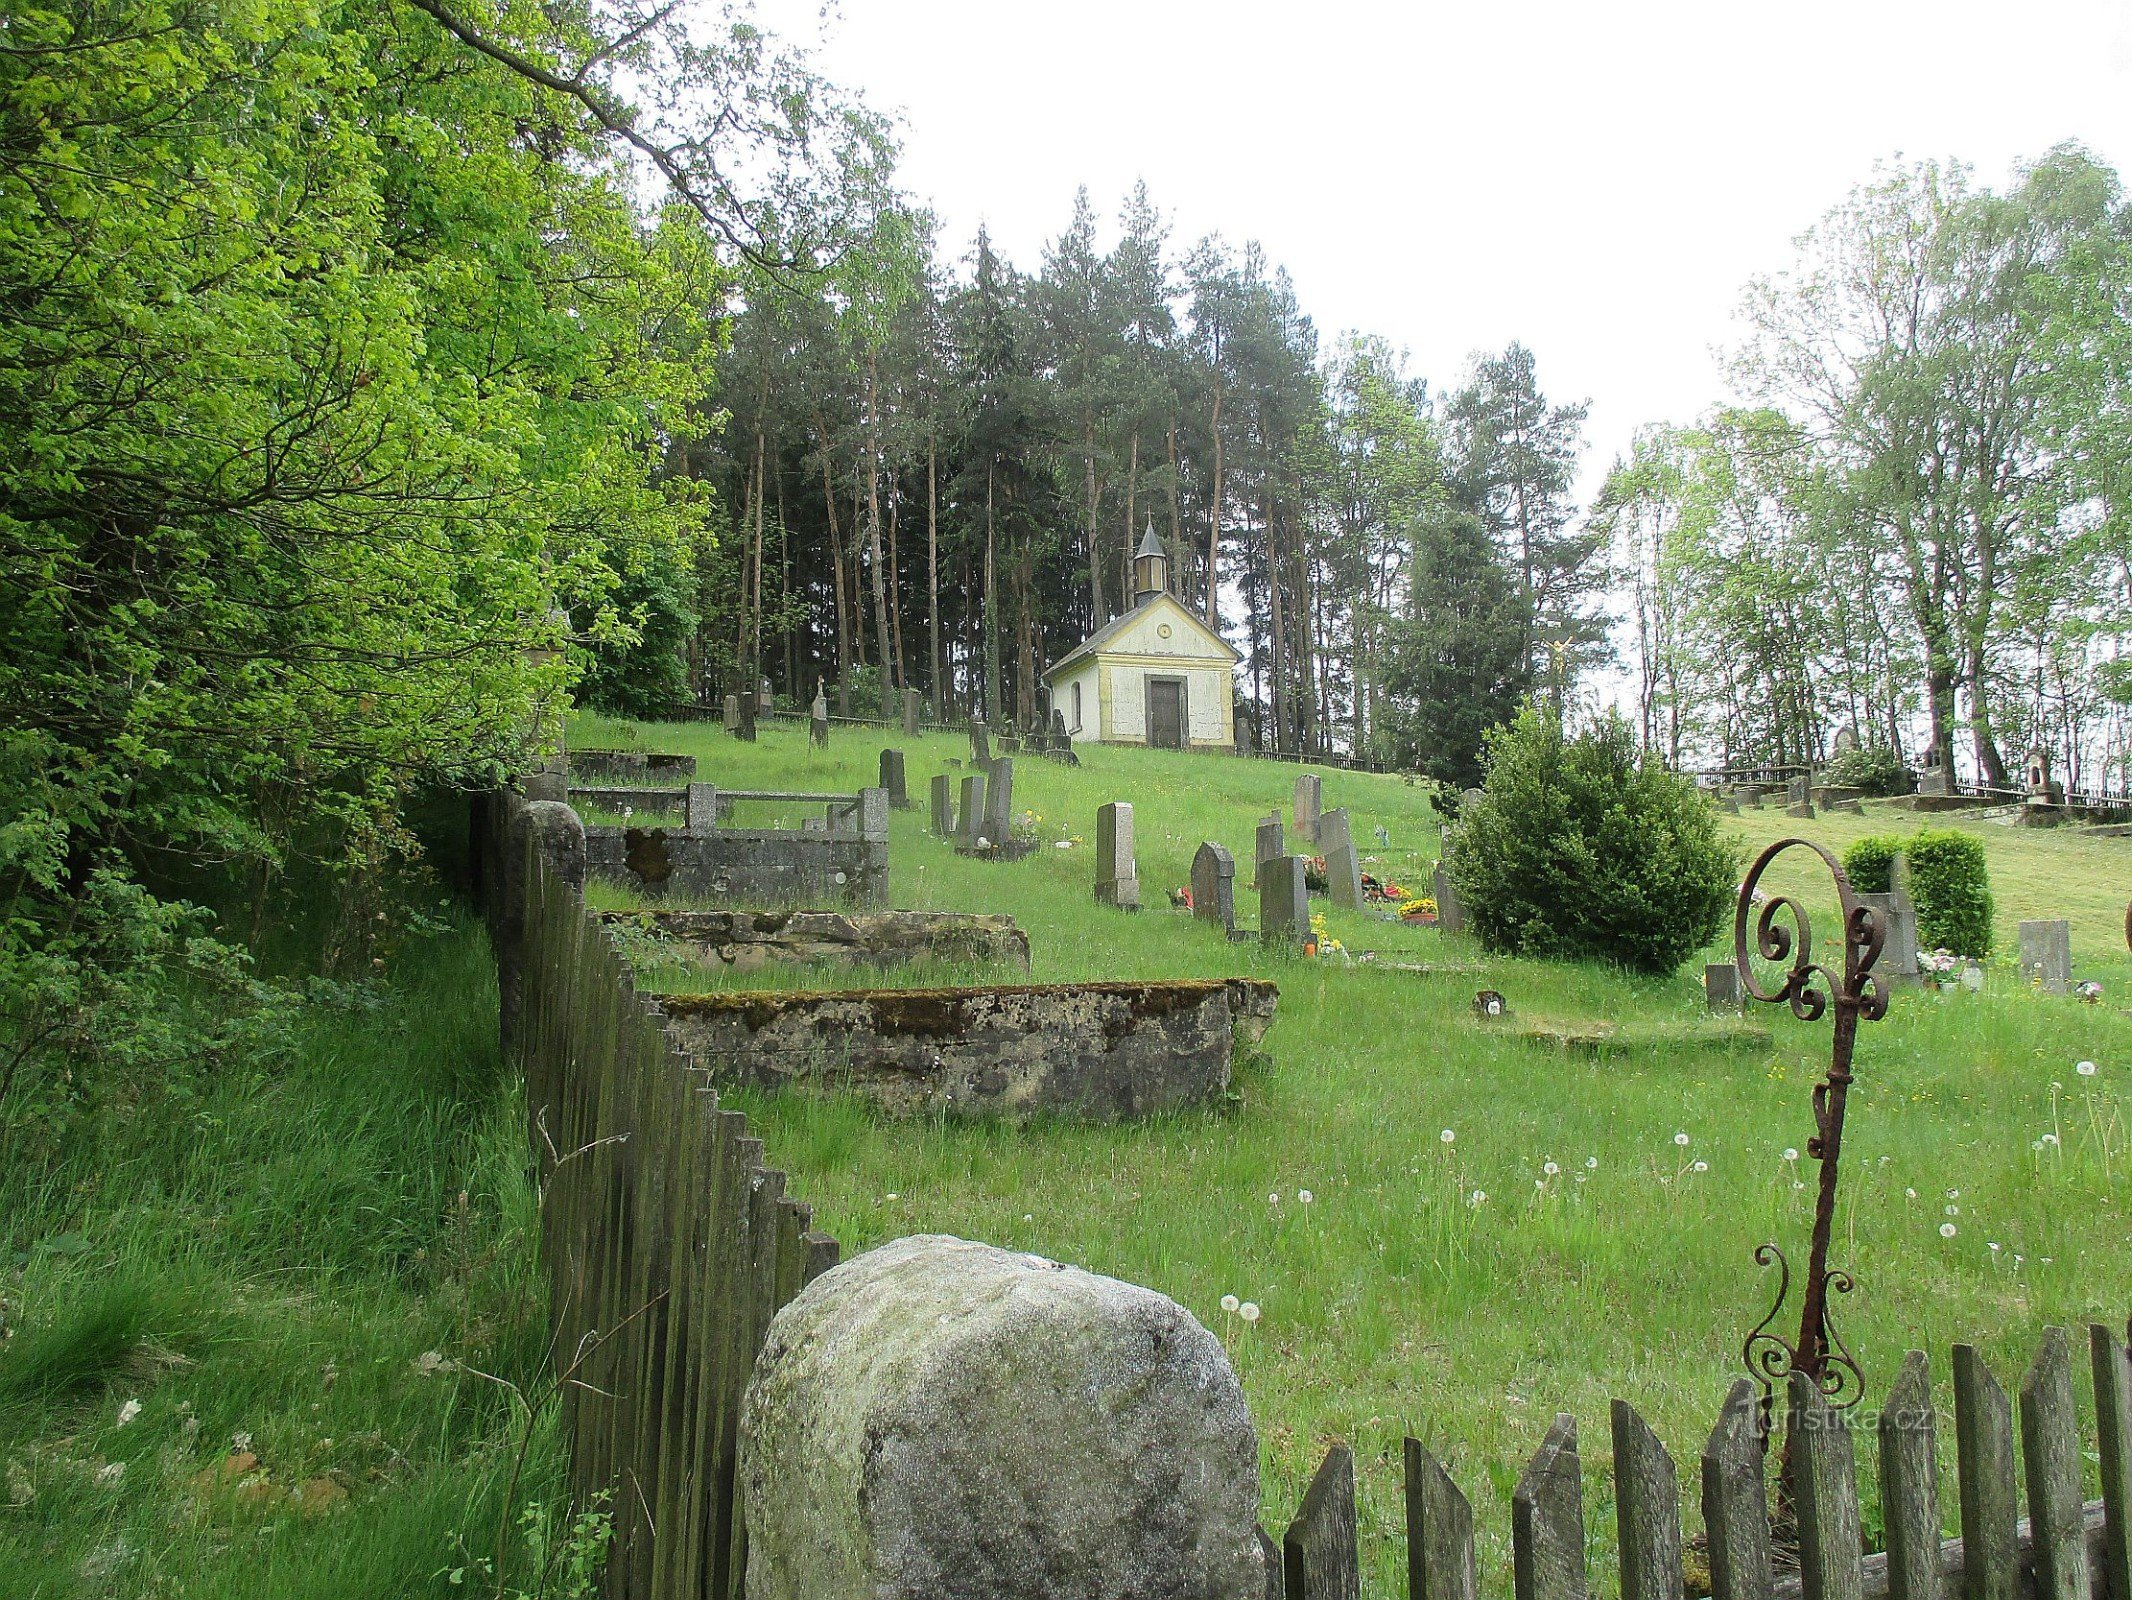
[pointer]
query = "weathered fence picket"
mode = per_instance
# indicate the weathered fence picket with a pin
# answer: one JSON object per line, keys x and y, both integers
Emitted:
{"x": 1736, "y": 1500}
{"x": 1646, "y": 1510}
{"x": 669, "y": 1244}
{"x": 1824, "y": 1491}
{"x": 1984, "y": 1460}
{"x": 2050, "y": 1449}
{"x": 1440, "y": 1560}
{"x": 1547, "y": 1519}
{"x": 1909, "y": 1484}
{"x": 2113, "y": 1448}
{"x": 1319, "y": 1556}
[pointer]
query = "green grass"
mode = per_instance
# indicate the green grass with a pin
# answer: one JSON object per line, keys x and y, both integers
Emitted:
{"x": 261, "y": 1258}
{"x": 1392, "y": 1303}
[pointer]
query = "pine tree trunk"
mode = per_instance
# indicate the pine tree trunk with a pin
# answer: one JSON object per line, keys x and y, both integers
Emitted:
{"x": 1132, "y": 507}
{"x": 1214, "y": 518}
{"x": 932, "y": 570}
{"x": 873, "y": 532}
{"x": 1095, "y": 553}
{"x": 895, "y": 592}
{"x": 991, "y": 623}
{"x": 836, "y": 564}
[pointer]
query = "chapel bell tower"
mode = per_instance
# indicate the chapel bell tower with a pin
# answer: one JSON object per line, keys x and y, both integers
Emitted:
{"x": 1151, "y": 567}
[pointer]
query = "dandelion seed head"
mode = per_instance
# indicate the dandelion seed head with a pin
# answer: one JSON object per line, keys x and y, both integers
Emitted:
{"x": 1790, "y": 1154}
{"x": 1448, "y": 1136}
{"x": 1680, "y": 1138}
{"x": 2085, "y": 1068}
{"x": 1946, "y": 1230}
{"x": 1248, "y": 1311}
{"x": 1229, "y": 1303}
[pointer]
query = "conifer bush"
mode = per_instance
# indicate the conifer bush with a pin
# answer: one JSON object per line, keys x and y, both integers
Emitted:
{"x": 1949, "y": 881}
{"x": 1578, "y": 849}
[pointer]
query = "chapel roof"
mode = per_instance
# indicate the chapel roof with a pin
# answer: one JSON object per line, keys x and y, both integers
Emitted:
{"x": 1118, "y": 624}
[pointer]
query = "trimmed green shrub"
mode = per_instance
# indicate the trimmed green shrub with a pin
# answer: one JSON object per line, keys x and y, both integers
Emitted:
{"x": 1576, "y": 849}
{"x": 1949, "y": 881}
{"x": 1952, "y": 887}
{"x": 1870, "y": 863}
{"x": 1870, "y": 770}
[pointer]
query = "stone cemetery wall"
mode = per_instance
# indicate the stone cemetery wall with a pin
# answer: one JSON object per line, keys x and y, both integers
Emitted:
{"x": 843, "y": 860}
{"x": 649, "y": 768}
{"x": 1105, "y": 1051}
{"x": 750, "y": 940}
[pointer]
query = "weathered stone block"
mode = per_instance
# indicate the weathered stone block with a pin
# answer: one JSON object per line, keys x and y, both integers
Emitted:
{"x": 1283, "y": 902}
{"x": 1102, "y": 1051}
{"x": 1214, "y": 886}
{"x": 912, "y": 709}
{"x": 943, "y": 798}
{"x": 892, "y": 779}
{"x": 730, "y": 713}
{"x": 942, "y": 1420}
{"x": 1309, "y": 803}
{"x": 1450, "y": 910}
{"x": 1898, "y": 950}
{"x": 1343, "y": 874}
{"x": 744, "y": 866}
{"x": 970, "y": 813}
{"x": 1721, "y": 986}
{"x": 1117, "y": 874}
{"x": 652, "y": 767}
{"x": 2047, "y": 954}
{"x": 1267, "y": 846}
{"x": 748, "y": 940}
{"x": 980, "y": 743}
{"x": 701, "y": 812}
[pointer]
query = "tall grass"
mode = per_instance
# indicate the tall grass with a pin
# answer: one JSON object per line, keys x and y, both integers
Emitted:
{"x": 304, "y": 1258}
{"x": 1460, "y": 1290}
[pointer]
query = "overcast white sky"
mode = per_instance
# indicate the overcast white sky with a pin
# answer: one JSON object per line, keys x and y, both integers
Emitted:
{"x": 1596, "y": 180}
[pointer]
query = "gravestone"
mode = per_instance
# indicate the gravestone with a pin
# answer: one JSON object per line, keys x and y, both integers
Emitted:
{"x": 1450, "y": 915}
{"x": 1343, "y": 866}
{"x": 1267, "y": 847}
{"x": 892, "y": 779}
{"x": 1721, "y": 986}
{"x": 1060, "y": 738}
{"x": 912, "y": 705}
{"x": 730, "y": 713}
{"x": 1846, "y": 739}
{"x": 1117, "y": 875}
{"x": 1727, "y": 804}
{"x": 1283, "y": 903}
{"x": 944, "y": 805}
{"x": 1898, "y": 950}
{"x": 1214, "y": 886}
{"x": 2047, "y": 954}
{"x": 764, "y": 699}
{"x": 970, "y": 814}
{"x": 1309, "y": 802}
{"x": 1749, "y": 795}
{"x": 999, "y": 802}
{"x": 699, "y": 808}
{"x": 980, "y": 743}
{"x": 1799, "y": 791}
{"x": 818, "y": 717}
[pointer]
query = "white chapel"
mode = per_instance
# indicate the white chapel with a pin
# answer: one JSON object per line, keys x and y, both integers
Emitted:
{"x": 1156, "y": 675}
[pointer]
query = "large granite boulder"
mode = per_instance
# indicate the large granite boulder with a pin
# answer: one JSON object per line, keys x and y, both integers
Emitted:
{"x": 942, "y": 1420}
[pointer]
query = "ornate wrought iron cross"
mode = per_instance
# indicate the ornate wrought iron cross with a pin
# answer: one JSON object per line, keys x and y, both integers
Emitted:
{"x": 1810, "y": 989}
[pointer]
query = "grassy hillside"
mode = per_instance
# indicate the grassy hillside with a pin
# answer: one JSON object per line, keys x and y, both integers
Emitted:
{"x": 1458, "y": 1288}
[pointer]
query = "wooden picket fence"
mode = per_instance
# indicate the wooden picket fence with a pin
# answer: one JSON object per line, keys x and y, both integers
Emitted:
{"x": 2065, "y": 1549}
{"x": 669, "y": 1247}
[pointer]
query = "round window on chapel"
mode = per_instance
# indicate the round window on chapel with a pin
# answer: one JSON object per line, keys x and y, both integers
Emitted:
{"x": 1162, "y": 630}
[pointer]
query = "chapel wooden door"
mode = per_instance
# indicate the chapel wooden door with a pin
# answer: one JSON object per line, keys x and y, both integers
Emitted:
{"x": 1165, "y": 713}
